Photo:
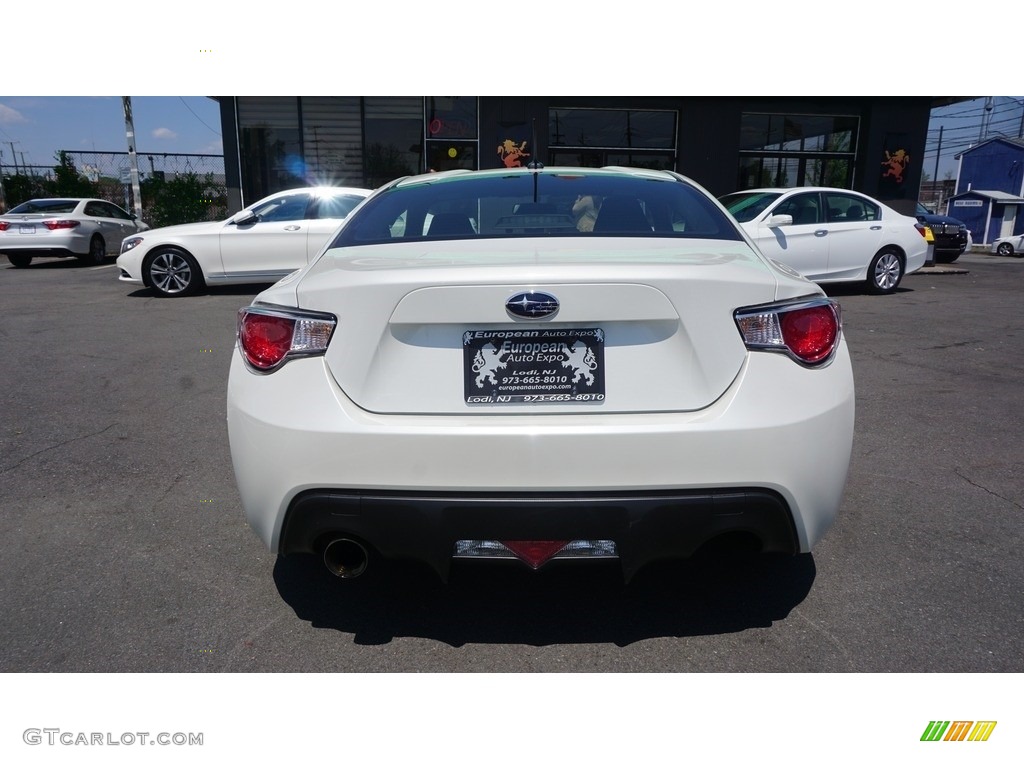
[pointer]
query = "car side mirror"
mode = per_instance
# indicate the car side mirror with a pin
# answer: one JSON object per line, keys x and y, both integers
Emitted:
{"x": 779, "y": 220}
{"x": 244, "y": 219}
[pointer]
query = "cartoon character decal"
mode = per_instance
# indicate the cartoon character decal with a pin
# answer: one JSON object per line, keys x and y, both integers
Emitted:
{"x": 512, "y": 154}
{"x": 895, "y": 164}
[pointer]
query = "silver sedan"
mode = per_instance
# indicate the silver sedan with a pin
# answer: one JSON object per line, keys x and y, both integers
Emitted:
{"x": 88, "y": 229}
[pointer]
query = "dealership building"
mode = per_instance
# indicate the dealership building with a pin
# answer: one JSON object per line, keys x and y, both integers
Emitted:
{"x": 871, "y": 144}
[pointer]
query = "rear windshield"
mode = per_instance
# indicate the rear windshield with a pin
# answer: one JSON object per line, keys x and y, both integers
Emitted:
{"x": 545, "y": 204}
{"x": 45, "y": 206}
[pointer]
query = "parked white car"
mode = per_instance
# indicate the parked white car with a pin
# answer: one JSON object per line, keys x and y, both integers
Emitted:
{"x": 260, "y": 244}
{"x": 832, "y": 235}
{"x": 505, "y": 382}
{"x": 1009, "y": 246}
{"x": 88, "y": 229}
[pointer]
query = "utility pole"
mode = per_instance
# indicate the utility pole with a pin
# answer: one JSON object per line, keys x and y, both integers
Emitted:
{"x": 14, "y": 155}
{"x": 3, "y": 199}
{"x": 938, "y": 153}
{"x": 129, "y": 127}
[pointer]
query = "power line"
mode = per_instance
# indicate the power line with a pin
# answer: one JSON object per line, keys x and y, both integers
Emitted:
{"x": 196, "y": 116}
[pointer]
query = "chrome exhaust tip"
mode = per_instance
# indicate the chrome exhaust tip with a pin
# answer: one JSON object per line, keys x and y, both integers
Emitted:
{"x": 346, "y": 558}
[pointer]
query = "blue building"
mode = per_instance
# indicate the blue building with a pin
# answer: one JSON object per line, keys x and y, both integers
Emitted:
{"x": 989, "y": 195}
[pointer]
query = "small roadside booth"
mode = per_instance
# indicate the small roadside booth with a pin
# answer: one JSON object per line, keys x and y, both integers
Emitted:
{"x": 989, "y": 214}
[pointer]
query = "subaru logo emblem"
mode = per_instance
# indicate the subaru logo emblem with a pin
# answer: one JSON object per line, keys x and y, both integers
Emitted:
{"x": 532, "y": 305}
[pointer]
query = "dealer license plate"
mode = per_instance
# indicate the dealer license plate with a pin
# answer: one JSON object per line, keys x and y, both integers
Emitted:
{"x": 27, "y": 229}
{"x": 533, "y": 366}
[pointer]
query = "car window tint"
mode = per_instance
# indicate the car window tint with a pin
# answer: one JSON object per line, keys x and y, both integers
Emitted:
{"x": 850, "y": 208}
{"x": 336, "y": 206}
{"x": 46, "y": 206}
{"x": 560, "y": 204}
{"x": 805, "y": 208}
{"x": 284, "y": 208}
{"x": 117, "y": 213}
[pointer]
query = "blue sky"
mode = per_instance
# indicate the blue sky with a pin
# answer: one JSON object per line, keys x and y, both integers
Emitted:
{"x": 34, "y": 128}
{"x": 966, "y": 123}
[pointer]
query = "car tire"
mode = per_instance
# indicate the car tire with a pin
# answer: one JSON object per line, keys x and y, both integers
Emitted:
{"x": 172, "y": 272}
{"x": 97, "y": 252}
{"x": 19, "y": 260}
{"x": 885, "y": 272}
{"x": 1005, "y": 249}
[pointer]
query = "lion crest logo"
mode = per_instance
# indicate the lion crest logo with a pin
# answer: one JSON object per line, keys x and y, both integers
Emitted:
{"x": 486, "y": 364}
{"x": 581, "y": 359}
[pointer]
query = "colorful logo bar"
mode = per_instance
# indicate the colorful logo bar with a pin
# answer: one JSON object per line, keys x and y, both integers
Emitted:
{"x": 958, "y": 730}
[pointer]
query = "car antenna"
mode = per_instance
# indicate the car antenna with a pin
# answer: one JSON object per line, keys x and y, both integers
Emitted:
{"x": 535, "y": 164}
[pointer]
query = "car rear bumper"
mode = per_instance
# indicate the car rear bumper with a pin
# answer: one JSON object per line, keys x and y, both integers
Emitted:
{"x": 40, "y": 252}
{"x": 645, "y": 527}
{"x": 768, "y": 458}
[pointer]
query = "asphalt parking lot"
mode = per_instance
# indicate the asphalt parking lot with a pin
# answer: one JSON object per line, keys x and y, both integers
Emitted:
{"x": 124, "y": 548}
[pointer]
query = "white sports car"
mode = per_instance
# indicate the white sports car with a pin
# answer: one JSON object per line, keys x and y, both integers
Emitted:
{"x": 832, "y": 235}
{"x": 90, "y": 230}
{"x": 261, "y": 244}
{"x": 468, "y": 371}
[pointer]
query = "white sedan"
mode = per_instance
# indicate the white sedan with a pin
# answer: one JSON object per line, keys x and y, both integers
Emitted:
{"x": 1009, "y": 246}
{"x": 508, "y": 383}
{"x": 90, "y": 230}
{"x": 262, "y": 243}
{"x": 832, "y": 235}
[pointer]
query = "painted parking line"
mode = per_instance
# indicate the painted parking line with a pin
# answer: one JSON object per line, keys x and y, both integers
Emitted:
{"x": 102, "y": 266}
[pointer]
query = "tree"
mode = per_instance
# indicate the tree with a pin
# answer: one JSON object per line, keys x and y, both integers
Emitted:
{"x": 183, "y": 198}
{"x": 69, "y": 182}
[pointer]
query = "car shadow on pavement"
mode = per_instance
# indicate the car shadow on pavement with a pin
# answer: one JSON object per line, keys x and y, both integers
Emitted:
{"x": 571, "y": 603}
{"x": 248, "y": 290}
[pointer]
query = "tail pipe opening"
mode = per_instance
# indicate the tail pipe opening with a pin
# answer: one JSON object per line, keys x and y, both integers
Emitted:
{"x": 346, "y": 558}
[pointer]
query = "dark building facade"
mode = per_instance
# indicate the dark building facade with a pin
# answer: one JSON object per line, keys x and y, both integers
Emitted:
{"x": 871, "y": 144}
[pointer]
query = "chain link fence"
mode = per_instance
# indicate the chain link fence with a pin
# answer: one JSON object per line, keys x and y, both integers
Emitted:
{"x": 176, "y": 188}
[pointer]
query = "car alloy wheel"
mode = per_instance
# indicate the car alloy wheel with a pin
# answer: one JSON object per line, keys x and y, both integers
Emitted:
{"x": 97, "y": 252}
{"x": 172, "y": 273}
{"x": 885, "y": 272}
{"x": 1005, "y": 249}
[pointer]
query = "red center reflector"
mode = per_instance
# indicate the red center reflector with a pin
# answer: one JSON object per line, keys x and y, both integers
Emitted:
{"x": 535, "y": 553}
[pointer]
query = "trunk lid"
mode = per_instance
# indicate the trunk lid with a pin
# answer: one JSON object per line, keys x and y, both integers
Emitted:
{"x": 642, "y": 325}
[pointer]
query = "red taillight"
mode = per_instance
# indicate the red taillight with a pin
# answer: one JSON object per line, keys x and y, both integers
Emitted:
{"x": 807, "y": 330}
{"x": 4, "y": 226}
{"x": 265, "y": 339}
{"x": 61, "y": 224}
{"x": 810, "y": 333}
{"x": 269, "y": 336}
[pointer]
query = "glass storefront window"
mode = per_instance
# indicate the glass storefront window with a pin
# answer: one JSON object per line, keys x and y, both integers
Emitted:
{"x": 797, "y": 150}
{"x": 392, "y": 138}
{"x": 451, "y": 117}
{"x": 613, "y": 128}
{"x": 451, "y": 128}
{"x": 270, "y": 145}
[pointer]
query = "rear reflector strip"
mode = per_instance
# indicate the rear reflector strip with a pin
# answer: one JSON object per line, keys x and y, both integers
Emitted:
{"x": 536, "y": 553}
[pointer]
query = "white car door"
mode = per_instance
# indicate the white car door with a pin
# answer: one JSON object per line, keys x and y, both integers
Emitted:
{"x": 854, "y": 234}
{"x": 109, "y": 223}
{"x": 271, "y": 244}
{"x": 803, "y": 245}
